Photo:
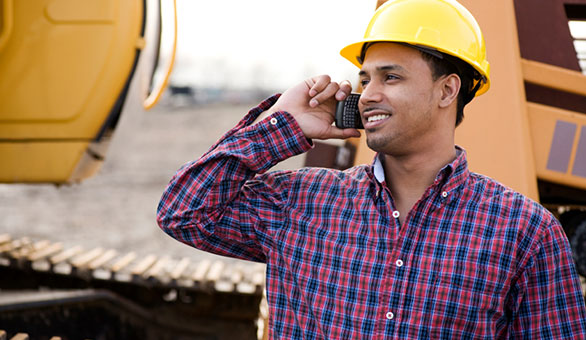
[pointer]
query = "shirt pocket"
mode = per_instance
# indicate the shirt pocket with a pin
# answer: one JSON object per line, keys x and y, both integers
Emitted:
{"x": 467, "y": 305}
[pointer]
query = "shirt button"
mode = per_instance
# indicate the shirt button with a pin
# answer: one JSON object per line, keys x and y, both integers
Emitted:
{"x": 274, "y": 121}
{"x": 399, "y": 263}
{"x": 396, "y": 214}
{"x": 444, "y": 194}
{"x": 390, "y": 315}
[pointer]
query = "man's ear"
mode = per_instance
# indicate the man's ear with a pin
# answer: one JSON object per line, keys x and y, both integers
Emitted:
{"x": 450, "y": 87}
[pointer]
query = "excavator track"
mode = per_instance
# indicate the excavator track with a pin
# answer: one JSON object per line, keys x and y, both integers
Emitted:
{"x": 209, "y": 299}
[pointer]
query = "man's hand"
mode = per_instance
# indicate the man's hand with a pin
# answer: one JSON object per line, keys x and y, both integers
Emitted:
{"x": 313, "y": 105}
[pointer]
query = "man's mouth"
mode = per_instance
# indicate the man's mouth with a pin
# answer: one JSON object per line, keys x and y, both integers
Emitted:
{"x": 376, "y": 118}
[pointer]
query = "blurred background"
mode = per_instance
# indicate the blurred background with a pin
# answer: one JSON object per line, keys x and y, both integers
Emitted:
{"x": 230, "y": 55}
{"x": 96, "y": 155}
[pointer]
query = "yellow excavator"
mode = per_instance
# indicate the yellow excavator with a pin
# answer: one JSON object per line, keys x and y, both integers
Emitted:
{"x": 69, "y": 70}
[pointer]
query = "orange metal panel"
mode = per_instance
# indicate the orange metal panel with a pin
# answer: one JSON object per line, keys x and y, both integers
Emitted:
{"x": 554, "y": 77}
{"x": 495, "y": 131}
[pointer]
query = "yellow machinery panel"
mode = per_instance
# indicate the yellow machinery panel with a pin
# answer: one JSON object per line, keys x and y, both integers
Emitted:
{"x": 558, "y": 135}
{"x": 44, "y": 161}
{"x": 64, "y": 65}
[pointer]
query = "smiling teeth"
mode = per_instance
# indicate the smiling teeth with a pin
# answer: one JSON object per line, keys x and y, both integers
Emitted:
{"x": 377, "y": 118}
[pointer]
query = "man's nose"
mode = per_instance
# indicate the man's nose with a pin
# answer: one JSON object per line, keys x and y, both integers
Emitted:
{"x": 372, "y": 93}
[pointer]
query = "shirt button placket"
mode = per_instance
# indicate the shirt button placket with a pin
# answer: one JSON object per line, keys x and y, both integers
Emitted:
{"x": 390, "y": 315}
{"x": 398, "y": 263}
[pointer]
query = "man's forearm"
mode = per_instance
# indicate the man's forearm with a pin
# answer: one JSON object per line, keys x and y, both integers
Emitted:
{"x": 199, "y": 196}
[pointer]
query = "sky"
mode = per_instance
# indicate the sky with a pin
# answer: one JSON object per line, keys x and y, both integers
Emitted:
{"x": 578, "y": 31}
{"x": 271, "y": 44}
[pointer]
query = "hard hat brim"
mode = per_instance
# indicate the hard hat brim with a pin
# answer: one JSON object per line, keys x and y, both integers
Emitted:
{"x": 353, "y": 53}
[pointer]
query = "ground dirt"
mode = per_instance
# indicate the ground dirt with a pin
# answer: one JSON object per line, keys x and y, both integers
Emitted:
{"x": 116, "y": 208}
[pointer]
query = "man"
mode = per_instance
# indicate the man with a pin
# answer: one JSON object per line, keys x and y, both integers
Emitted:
{"x": 414, "y": 246}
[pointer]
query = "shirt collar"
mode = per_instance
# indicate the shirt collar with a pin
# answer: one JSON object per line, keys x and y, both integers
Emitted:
{"x": 377, "y": 168}
{"x": 453, "y": 174}
{"x": 449, "y": 177}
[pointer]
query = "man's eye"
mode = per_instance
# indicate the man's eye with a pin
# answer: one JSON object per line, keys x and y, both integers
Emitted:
{"x": 363, "y": 82}
{"x": 391, "y": 77}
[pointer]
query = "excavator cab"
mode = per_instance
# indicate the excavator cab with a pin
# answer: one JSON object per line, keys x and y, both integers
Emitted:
{"x": 67, "y": 68}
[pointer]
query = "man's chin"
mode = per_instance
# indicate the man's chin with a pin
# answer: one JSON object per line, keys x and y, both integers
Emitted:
{"x": 375, "y": 144}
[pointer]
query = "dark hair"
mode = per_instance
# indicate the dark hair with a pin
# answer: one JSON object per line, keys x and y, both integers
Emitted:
{"x": 447, "y": 65}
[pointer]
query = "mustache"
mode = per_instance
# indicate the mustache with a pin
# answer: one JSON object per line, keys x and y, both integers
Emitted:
{"x": 376, "y": 108}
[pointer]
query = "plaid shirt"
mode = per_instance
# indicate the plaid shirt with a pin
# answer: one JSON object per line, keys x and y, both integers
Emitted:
{"x": 473, "y": 259}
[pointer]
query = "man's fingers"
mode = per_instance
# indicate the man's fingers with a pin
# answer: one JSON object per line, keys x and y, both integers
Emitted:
{"x": 344, "y": 91}
{"x": 328, "y": 92}
{"x": 323, "y": 88}
{"x": 334, "y": 132}
{"x": 319, "y": 84}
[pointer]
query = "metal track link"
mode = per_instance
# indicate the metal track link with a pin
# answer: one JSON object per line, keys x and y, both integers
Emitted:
{"x": 108, "y": 265}
{"x": 21, "y": 336}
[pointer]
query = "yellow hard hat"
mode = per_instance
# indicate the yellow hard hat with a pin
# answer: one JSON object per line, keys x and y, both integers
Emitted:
{"x": 442, "y": 25}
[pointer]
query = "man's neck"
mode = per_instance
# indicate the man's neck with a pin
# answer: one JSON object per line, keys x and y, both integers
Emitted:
{"x": 408, "y": 176}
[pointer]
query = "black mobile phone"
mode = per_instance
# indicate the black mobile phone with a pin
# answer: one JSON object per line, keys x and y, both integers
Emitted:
{"x": 347, "y": 114}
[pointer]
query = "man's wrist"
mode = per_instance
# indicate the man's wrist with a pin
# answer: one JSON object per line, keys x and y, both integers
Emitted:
{"x": 264, "y": 115}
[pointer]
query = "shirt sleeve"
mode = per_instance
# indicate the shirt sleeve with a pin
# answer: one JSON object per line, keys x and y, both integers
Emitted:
{"x": 549, "y": 300}
{"x": 216, "y": 204}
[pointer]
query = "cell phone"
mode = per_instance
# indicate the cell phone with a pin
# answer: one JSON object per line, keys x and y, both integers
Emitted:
{"x": 347, "y": 114}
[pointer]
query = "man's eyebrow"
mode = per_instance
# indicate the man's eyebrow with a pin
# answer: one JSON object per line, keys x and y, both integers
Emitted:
{"x": 392, "y": 67}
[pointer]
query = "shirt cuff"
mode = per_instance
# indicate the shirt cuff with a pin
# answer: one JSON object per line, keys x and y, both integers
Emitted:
{"x": 273, "y": 139}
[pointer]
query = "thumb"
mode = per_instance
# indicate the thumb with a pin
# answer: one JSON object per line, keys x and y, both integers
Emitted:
{"x": 337, "y": 133}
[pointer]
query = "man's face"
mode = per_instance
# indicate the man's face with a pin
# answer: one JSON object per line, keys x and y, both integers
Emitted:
{"x": 398, "y": 100}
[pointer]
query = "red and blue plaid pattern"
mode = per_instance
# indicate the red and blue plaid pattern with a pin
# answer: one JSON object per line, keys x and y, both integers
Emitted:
{"x": 473, "y": 259}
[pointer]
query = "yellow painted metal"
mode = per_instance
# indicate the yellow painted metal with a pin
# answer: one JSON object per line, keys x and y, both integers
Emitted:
{"x": 64, "y": 66}
{"x": 6, "y": 22}
{"x": 64, "y": 63}
{"x": 81, "y": 12}
{"x": 543, "y": 121}
{"x": 41, "y": 162}
{"x": 154, "y": 97}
